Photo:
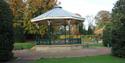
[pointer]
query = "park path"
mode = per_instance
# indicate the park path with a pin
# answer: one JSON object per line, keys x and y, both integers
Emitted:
{"x": 25, "y": 56}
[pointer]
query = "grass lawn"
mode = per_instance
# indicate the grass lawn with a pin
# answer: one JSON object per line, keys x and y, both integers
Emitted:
{"x": 91, "y": 59}
{"x": 94, "y": 45}
{"x": 20, "y": 46}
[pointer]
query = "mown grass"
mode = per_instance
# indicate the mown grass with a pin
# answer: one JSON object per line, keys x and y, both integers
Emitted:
{"x": 96, "y": 45}
{"x": 93, "y": 45}
{"x": 91, "y": 59}
{"x": 20, "y": 46}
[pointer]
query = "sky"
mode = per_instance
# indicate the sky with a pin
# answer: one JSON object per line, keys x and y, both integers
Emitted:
{"x": 87, "y": 7}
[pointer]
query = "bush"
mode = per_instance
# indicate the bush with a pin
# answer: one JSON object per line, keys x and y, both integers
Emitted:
{"x": 21, "y": 46}
{"x": 6, "y": 32}
{"x": 118, "y": 42}
{"x": 118, "y": 34}
{"x": 107, "y": 36}
{"x": 18, "y": 34}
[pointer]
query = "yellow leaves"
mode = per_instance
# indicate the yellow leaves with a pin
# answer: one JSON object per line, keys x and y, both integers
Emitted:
{"x": 27, "y": 10}
{"x": 98, "y": 31}
{"x": 102, "y": 18}
{"x": 16, "y": 6}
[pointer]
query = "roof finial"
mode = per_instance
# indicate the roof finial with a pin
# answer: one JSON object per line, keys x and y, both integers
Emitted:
{"x": 24, "y": 1}
{"x": 58, "y": 3}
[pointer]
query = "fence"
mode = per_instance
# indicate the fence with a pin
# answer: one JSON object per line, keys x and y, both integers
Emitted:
{"x": 59, "y": 41}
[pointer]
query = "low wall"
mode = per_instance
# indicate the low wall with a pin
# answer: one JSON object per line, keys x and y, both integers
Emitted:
{"x": 56, "y": 48}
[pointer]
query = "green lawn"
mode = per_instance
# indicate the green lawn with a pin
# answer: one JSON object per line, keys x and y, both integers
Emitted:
{"x": 94, "y": 45}
{"x": 20, "y": 46}
{"x": 28, "y": 45}
{"x": 91, "y": 59}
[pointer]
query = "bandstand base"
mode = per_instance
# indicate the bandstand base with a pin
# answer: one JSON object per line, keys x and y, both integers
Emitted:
{"x": 54, "y": 48}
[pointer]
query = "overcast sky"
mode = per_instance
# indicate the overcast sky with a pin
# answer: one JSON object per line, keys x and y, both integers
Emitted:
{"x": 87, "y": 7}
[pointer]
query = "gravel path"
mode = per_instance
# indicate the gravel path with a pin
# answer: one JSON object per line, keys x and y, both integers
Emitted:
{"x": 24, "y": 56}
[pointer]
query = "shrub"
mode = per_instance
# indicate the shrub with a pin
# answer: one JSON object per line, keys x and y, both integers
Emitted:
{"x": 118, "y": 34}
{"x": 118, "y": 42}
{"x": 107, "y": 35}
{"x": 6, "y": 32}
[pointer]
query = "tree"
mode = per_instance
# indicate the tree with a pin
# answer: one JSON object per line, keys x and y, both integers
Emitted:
{"x": 18, "y": 8}
{"x": 91, "y": 24}
{"x": 118, "y": 32}
{"x": 103, "y": 18}
{"x": 6, "y": 32}
{"x": 90, "y": 30}
{"x": 107, "y": 35}
{"x": 27, "y": 10}
{"x": 33, "y": 9}
{"x": 91, "y": 21}
{"x": 82, "y": 29}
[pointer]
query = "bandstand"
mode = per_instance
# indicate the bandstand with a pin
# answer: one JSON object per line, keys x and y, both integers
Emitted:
{"x": 67, "y": 23}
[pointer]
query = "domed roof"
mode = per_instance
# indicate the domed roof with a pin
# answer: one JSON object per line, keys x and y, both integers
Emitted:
{"x": 57, "y": 13}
